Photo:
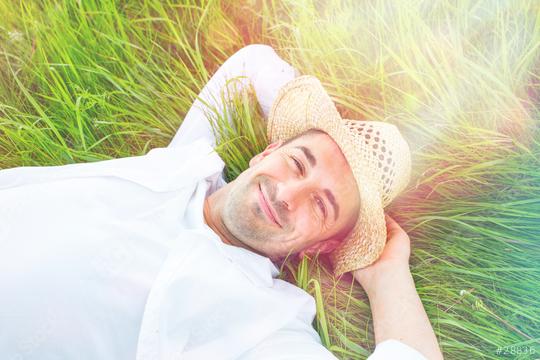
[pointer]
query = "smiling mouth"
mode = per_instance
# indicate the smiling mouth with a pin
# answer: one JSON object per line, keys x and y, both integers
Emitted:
{"x": 265, "y": 205}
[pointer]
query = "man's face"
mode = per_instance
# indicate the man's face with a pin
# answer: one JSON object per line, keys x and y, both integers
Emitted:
{"x": 310, "y": 190}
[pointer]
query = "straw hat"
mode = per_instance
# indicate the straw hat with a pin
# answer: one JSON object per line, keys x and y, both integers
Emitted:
{"x": 378, "y": 155}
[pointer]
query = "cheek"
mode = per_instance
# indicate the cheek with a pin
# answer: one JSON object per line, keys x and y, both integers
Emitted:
{"x": 306, "y": 223}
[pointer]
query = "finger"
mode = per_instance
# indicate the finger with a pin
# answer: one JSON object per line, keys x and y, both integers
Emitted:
{"x": 391, "y": 225}
{"x": 393, "y": 229}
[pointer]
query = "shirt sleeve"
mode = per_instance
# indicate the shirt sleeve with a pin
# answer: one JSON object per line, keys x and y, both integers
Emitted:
{"x": 295, "y": 342}
{"x": 258, "y": 65}
{"x": 394, "y": 349}
{"x": 298, "y": 340}
{"x": 288, "y": 344}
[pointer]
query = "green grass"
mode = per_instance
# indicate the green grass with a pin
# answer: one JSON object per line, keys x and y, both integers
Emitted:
{"x": 91, "y": 80}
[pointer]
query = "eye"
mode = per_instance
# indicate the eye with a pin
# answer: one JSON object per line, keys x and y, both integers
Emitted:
{"x": 298, "y": 164}
{"x": 320, "y": 203}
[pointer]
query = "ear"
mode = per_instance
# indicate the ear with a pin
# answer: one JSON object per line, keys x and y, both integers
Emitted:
{"x": 322, "y": 247}
{"x": 267, "y": 151}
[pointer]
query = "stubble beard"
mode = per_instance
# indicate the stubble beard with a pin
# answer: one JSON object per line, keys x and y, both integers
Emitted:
{"x": 242, "y": 216}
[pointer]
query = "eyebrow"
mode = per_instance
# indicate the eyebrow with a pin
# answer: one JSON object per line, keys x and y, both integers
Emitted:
{"x": 332, "y": 200}
{"x": 313, "y": 162}
{"x": 308, "y": 154}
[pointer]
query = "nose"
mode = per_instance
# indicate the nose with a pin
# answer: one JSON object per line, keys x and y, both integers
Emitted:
{"x": 292, "y": 193}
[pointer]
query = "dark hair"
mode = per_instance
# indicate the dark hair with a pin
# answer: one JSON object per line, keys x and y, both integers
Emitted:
{"x": 308, "y": 132}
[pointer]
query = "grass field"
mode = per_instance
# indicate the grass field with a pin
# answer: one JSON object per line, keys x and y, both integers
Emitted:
{"x": 90, "y": 80}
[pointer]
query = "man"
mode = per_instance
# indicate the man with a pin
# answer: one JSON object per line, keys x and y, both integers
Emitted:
{"x": 156, "y": 257}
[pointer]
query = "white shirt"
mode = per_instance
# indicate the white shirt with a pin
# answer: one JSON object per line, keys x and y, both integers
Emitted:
{"x": 113, "y": 260}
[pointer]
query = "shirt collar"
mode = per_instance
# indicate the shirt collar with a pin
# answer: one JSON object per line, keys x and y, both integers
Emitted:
{"x": 257, "y": 268}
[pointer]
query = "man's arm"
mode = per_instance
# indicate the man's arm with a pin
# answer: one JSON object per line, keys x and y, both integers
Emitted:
{"x": 255, "y": 64}
{"x": 397, "y": 310}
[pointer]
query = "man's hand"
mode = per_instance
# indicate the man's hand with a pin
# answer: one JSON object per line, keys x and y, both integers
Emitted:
{"x": 397, "y": 310}
{"x": 395, "y": 256}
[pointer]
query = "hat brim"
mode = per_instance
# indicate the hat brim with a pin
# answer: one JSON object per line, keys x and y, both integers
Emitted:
{"x": 303, "y": 104}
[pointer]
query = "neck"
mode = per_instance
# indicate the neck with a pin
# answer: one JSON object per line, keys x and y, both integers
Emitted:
{"x": 212, "y": 204}
{"x": 212, "y": 223}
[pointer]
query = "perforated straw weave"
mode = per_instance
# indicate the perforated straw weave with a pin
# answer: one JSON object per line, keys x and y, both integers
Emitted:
{"x": 377, "y": 153}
